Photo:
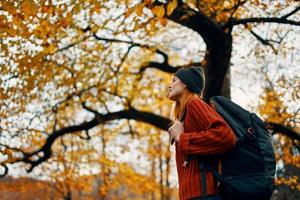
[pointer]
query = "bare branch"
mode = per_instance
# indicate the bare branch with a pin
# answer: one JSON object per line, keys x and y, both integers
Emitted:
{"x": 291, "y": 13}
{"x": 278, "y": 128}
{"x": 165, "y": 67}
{"x": 265, "y": 20}
{"x": 280, "y": 20}
{"x": 264, "y": 41}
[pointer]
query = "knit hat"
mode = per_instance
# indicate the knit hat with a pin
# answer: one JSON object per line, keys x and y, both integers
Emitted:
{"x": 192, "y": 77}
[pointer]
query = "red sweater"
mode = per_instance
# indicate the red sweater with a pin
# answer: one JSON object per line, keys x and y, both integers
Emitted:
{"x": 205, "y": 133}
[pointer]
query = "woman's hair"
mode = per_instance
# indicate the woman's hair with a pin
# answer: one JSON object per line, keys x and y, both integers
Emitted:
{"x": 180, "y": 105}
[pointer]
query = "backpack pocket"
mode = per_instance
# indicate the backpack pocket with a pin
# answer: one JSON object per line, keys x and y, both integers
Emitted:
{"x": 258, "y": 186}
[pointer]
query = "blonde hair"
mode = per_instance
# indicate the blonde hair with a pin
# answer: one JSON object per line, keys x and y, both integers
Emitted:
{"x": 180, "y": 105}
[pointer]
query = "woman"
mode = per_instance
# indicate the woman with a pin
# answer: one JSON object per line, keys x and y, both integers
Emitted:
{"x": 203, "y": 133}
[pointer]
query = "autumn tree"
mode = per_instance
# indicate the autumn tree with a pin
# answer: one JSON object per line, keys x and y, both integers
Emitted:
{"x": 275, "y": 107}
{"x": 68, "y": 67}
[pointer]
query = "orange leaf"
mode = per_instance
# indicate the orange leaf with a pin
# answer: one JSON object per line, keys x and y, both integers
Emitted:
{"x": 147, "y": 2}
{"x": 29, "y": 8}
{"x": 139, "y": 9}
{"x": 159, "y": 11}
{"x": 171, "y": 7}
{"x": 163, "y": 21}
{"x": 12, "y": 32}
{"x": 9, "y": 7}
{"x": 129, "y": 12}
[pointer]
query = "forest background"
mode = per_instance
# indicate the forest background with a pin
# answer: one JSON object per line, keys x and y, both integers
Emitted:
{"x": 83, "y": 87}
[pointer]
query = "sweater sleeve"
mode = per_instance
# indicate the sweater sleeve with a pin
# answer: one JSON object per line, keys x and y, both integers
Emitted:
{"x": 215, "y": 136}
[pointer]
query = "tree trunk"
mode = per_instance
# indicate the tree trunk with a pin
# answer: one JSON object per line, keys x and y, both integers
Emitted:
{"x": 216, "y": 65}
{"x": 167, "y": 174}
{"x": 161, "y": 173}
{"x": 226, "y": 91}
{"x": 153, "y": 175}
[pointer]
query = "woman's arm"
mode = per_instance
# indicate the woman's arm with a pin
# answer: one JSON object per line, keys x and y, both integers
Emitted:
{"x": 215, "y": 137}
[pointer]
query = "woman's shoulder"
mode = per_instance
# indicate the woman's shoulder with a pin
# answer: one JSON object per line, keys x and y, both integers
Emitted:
{"x": 197, "y": 111}
{"x": 196, "y": 103}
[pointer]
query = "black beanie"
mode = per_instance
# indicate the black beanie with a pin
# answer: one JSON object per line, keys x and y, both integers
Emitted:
{"x": 192, "y": 77}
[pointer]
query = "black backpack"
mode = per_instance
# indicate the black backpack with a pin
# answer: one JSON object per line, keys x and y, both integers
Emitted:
{"x": 248, "y": 170}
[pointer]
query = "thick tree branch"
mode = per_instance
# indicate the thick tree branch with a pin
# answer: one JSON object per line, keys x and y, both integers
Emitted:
{"x": 218, "y": 42}
{"x": 291, "y": 13}
{"x": 143, "y": 116}
{"x": 45, "y": 152}
{"x": 165, "y": 67}
{"x": 278, "y": 128}
{"x": 280, "y": 20}
{"x": 210, "y": 31}
{"x": 265, "y": 20}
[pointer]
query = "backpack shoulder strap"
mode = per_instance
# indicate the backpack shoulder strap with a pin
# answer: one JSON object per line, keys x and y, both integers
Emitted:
{"x": 206, "y": 100}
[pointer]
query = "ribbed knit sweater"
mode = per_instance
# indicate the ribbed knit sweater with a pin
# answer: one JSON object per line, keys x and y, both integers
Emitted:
{"x": 205, "y": 133}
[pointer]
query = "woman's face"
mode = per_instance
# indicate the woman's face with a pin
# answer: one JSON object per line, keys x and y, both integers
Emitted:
{"x": 176, "y": 89}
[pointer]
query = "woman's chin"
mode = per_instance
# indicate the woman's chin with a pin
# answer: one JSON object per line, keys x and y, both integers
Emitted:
{"x": 171, "y": 97}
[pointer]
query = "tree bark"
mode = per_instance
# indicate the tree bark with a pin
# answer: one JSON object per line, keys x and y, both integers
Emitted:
{"x": 217, "y": 61}
{"x": 218, "y": 42}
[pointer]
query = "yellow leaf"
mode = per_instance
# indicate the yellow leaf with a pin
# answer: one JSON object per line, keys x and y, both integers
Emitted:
{"x": 39, "y": 32}
{"x": 129, "y": 12}
{"x": 9, "y": 7}
{"x": 139, "y": 9}
{"x": 70, "y": 81}
{"x": 12, "y": 32}
{"x": 159, "y": 11}
{"x": 43, "y": 29}
{"x": 30, "y": 83}
{"x": 152, "y": 26}
{"x": 95, "y": 9}
{"x": 49, "y": 9}
{"x": 77, "y": 9}
{"x": 3, "y": 21}
{"x": 171, "y": 6}
{"x": 147, "y": 2}
{"x": 136, "y": 26}
{"x": 9, "y": 154}
{"x": 66, "y": 21}
{"x": 17, "y": 21}
{"x": 29, "y": 8}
